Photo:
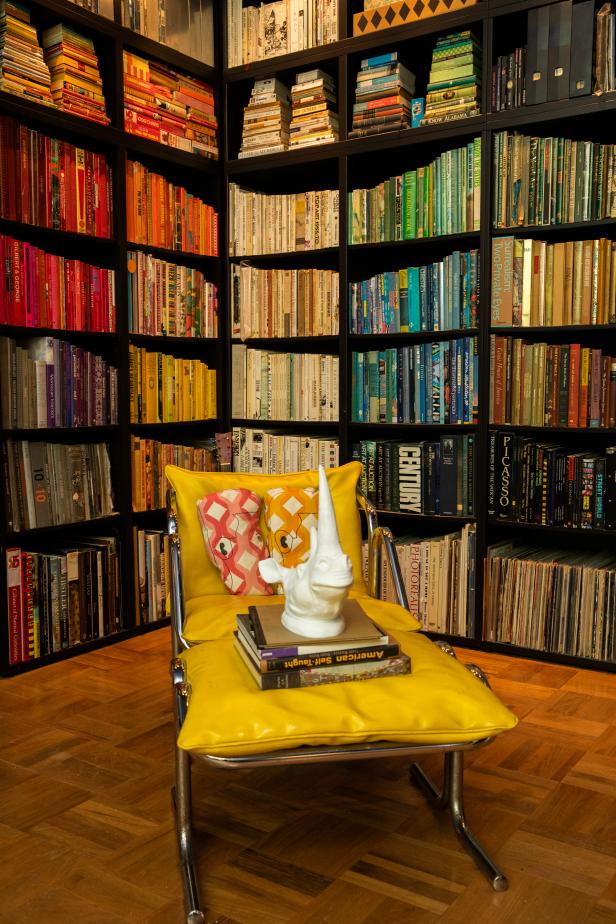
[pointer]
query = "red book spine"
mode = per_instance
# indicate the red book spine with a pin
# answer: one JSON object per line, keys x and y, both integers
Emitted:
{"x": 20, "y": 176}
{"x": 15, "y": 604}
{"x": 89, "y": 193}
{"x": 574, "y": 385}
{"x": 28, "y": 649}
{"x": 595, "y": 389}
{"x": 19, "y": 289}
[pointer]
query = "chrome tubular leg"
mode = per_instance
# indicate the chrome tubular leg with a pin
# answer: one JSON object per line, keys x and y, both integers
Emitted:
{"x": 182, "y": 801}
{"x": 437, "y": 798}
{"x": 466, "y": 836}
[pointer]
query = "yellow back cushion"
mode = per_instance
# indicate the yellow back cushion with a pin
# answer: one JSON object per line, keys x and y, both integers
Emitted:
{"x": 199, "y": 576}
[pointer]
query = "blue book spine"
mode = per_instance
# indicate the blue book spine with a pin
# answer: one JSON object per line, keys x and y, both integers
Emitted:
{"x": 475, "y": 379}
{"x": 467, "y": 381}
{"x": 459, "y": 379}
{"x": 420, "y": 376}
{"x": 386, "y": 323}
{"x": 435, "y": 416}
{"x": 414, "y": 296}
{"x": 456, "y": 286}
{"x": 452, "y": 380}
{"x": 423, "y": 298}
{"x": 403, "y": 300}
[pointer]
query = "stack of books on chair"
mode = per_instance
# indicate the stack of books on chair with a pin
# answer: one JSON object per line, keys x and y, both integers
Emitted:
{"x": 454, "y": 90}
{"x": 314, "y": 115}
{"x": 22, "y": 67}
{"x": 383, "y": 96}
{"x": 281, "y": 660}
{"x": 76, "y": 84}
{"x": 267, "y": 119}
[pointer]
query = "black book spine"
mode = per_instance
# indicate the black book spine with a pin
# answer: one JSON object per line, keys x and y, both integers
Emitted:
{"x": 492, "y": 473}
{"x": 610, "y": 488}
{"x": 449, "y": 462}
{"x": 559, "y": 51}
{"x": 379, "y": 476}
{"x": 537, "y": 56}
{"x": 504, "y": 474}
{"x": 582, "y": 31}
{"x": 599, "y": 507}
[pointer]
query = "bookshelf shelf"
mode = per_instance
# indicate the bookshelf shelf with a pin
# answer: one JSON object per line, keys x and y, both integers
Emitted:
{"x": 563, "y": 531}
{"x": 327, "y": 342}
{"x": 312, "y": 154}
{"x": 293, "y": 426}
{"x": 302, "y": 257}
{"x": 425, "y": 134}
{"x": 425, "y": 517}
{"x": 146, "y": 516}
{"x": 402, "y": 428}
{"x": 51, "y": 118}
{"x": 58, "y": 433}
{"x": 49, "y": 237}
{"x": 550, "y": 330}
{"x": 587, "y": 431}
{"x": 176, "y": 256}
{"x": 160, "y": 340}
{"x": 443, "y": 240}
{"x": 177, "y": 425}
{"x": 553, "y": 230}
{"x": 14, "y": 330}
{"x": 520, "y": 651}
{"x": 94, "y": 523}
{"x": 360, "y": 341}
{"x": 137, "y": 146}
{"x": 552, "y": 111}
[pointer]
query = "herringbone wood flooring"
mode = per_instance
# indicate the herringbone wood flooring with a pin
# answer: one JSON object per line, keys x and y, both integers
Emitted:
{"x": 86, "y": 828}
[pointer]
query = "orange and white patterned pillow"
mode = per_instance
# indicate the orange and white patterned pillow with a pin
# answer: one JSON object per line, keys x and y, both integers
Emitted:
{"x": 289, "y": 515}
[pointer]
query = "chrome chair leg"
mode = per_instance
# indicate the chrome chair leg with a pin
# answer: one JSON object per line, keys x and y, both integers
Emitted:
{"x": 451, "y": 797}
{"x": 183, "y": 820}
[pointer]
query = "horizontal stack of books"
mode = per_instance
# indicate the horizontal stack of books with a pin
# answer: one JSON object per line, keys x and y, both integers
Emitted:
{"x": 267, "y": 119}
{"x": 23, "y": 70}
{"x": 314, "y": 113}
{"x": 454, "y": 90}
{"x": 281, "y": 660}
{"x": 76, "y": 84}
{"x": 383, "y": 96}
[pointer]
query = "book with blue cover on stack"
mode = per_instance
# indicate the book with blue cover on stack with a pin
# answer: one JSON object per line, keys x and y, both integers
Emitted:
{"x": 454, "y": 90}
{"x": 383, "y": 95}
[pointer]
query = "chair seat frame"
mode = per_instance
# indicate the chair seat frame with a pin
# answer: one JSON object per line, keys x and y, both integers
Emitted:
{"x": 449, "y": 797}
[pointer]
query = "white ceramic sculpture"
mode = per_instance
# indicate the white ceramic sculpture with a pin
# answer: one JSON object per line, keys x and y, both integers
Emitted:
{"x": 315, "y": 590}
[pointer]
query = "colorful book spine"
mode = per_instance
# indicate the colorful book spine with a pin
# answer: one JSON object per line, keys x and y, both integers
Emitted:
{"x": 149, "y": 459}
{"x": 267, "y": 453}
{"x": 167, "y": 389}
{"x": 165, "y": 299}
{"x": 151, "y": 548}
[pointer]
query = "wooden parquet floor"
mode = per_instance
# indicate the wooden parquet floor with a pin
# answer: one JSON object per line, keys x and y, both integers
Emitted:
{"x": 86, "y": 827}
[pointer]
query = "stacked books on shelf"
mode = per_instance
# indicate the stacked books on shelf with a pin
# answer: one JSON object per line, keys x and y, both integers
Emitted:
{"x": 569, "y": 600}
{"x": 23, "y": 70}
{"x": 551, "y": 385}
{"x": 169, "y": 107}
{"x": 168, "y": 300}
{"x": 76, "y": 84}
{"x": 151, "y": 574}
{"x": 539, "y": 482}
{"x": 50, "y": 484}
{"x": 267, "y": 119}
{"x": 314, "y": 113}
{"x": 261, "y": 30}
{"x": 434, "y": 383}
{"x": 62, "y": 598}
{"x": 508, "y": 89}
{"x": 283, "y": 386}
{"x": 265, "y": 453}
{"x": 551, "y": 181}
{"x": 385, "y": 87}
{"x": 283, "y": 303}
{"x": 148, "y": 461}
{"x": 454, "y": 88}
{"x": 429, "y": 477}
{"x": 439, "y": 296}
{"x": 161, "y": 214}
{"x": 53, "y": 383}
{"x": 440, "y": 198}
{"x": 261, "y": 223}
{"x": 40, "y": 289}
{"x": 278, "y": 659}
{"x": 536, "y": 284}
{"x": 165, "y": 389}
{"x": 439, "y": 577}
{"x": 51, "y": 183}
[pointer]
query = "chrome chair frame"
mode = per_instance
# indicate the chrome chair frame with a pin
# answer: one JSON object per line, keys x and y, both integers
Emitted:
{"x": 450, "y": 796}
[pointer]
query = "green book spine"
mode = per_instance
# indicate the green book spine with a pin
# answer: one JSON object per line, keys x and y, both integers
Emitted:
{"x": 350, "y": 218}
{"x": 403, "y": 206}
{"x": 387, "y": 215}
{"x": 496, "y": 216}
{"x": 413, "y": 205}
{"x": 420, "y": 214}
{"x": 476, "y": 183}
{"x": 426, "y": 202}
{"x": 391, "y": 202}
{"x": 532, "y": 181}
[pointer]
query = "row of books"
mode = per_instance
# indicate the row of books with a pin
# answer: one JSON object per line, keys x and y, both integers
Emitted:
{"x": 439, "y": 577}
{"x": 76, "y": 84}
{"x": 263, "y": 30}
{"x": 454, "y": 85}
{"x": 53, "y": 184}
{"x": 383, "y": 93}
{"x": 60, "y": 599}
{"x": 149, "y": 458}
{"x": 169, "y": 107}
{"x": 441, "y": 198}
{"x": 148, "y": 17}
{"x": 547, "y": 385}
{"x": 551, "y": 181}
{"x": 151, "y": 574}
{"x": 283, "y": 386}
{"x": 508, "y": 90}
{"x": 53, "y": 383}
{"x": 261, "y": 223}
{"x": 531, "y": 481}
{"x": 167, "y": 389}
{"x": 283, "y": 302}
{"x": 551, "y": 600}
{"x": 185, "y": 27}
{"x": 267, "y": 453}
{"x": 429, "y": 477}
{"x": 168, "y": 300}
{"x": 50, "y": 484}
{"x": 425, "y": 383}
{"x": 439, "y": 296}
{"x": 162, "y": 214}
{"x": 40, "y": 289}
{"x": 536, "y": 284}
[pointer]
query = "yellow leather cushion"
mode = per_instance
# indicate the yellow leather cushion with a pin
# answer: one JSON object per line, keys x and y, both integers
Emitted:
{"x": 199, "y": 576}
{"x": 212, "y": 616}
{"x": 439, "y": 702}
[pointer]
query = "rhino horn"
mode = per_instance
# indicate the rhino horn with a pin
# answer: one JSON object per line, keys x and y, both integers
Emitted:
{"x": 327, "y": 529}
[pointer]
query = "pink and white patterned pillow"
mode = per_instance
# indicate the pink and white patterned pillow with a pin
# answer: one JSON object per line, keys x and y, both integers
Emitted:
{"x": 230, "y": 525}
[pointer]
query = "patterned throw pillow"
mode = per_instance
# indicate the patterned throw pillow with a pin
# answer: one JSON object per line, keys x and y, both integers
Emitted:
{"x": 289, "y": 515}
{"x": 230, "y": 524}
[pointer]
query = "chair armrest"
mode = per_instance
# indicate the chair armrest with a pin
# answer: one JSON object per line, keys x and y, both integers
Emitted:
{"x": 383, "y": 540}
{"x": 175, "y": 576}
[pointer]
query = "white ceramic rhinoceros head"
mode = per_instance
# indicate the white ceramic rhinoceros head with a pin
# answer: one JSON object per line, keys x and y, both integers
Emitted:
{"x": 315, "y": 590}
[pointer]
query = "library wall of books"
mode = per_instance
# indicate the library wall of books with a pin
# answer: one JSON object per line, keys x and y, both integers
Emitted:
{"x": 264, "y": 236}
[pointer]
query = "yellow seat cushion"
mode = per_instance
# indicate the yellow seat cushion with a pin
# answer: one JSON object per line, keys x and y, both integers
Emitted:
{"x": 439, "y": 702}
{"x": 212, "y": 616}
{"x": 199, "y": 575}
